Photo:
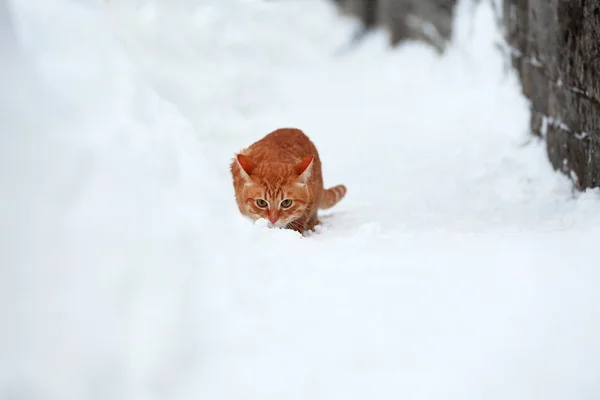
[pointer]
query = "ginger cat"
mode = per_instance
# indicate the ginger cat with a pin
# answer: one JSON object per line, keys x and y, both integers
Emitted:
{"x": 279, "y": 178}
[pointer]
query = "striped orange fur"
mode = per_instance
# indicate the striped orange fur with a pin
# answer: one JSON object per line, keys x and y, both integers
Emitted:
{"x": 279, "y": 178}
{"x": 331, "y": 196}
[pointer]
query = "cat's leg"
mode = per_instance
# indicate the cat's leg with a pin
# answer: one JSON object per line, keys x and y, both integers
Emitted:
{"x": 312, "y": 222}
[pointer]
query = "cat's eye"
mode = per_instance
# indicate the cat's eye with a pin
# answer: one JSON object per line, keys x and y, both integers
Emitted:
{"x": 287, "y": 203}
{"x": 261, "y": 203}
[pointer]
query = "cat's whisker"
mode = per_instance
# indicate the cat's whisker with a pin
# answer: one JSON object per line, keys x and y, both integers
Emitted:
{"x": 295, "y": 225}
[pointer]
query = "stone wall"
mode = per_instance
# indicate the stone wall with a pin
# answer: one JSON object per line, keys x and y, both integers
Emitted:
{"x": 406, "y": 19}
{"x": 555, "y": 46}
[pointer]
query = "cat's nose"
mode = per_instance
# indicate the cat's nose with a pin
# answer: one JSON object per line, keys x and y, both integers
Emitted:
{"x": 273, "y": 217}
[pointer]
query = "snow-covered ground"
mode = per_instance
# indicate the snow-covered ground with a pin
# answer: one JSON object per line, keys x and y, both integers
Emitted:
{"x": 459, "y": 266}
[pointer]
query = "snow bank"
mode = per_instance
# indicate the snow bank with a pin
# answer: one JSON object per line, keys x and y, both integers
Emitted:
{"x": 111, "y": 206}
{"x": 458, "y": 266}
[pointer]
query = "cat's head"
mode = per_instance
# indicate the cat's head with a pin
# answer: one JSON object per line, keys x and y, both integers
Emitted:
{"x": 274, "y": 191}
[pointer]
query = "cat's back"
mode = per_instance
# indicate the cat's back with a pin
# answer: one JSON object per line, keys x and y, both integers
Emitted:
{"x": 283, "y": 145}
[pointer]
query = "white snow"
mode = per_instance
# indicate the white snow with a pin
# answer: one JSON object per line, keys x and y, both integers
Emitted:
{"x": 459, "y": 266}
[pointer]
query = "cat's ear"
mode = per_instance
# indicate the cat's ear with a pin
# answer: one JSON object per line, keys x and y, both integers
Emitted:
{"x": 246, "y": 164}
{"x": 304, "y": 168}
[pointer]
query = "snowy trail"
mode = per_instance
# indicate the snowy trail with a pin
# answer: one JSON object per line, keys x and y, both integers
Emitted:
{"x": 457, "y": 267}
{"x": 380, "y": 136}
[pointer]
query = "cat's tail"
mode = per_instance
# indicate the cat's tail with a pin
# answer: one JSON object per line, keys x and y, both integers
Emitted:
{"x": 332, "y": 196}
